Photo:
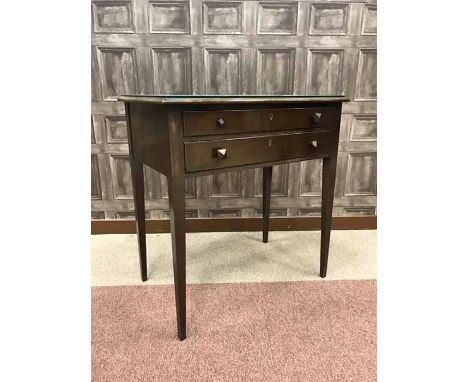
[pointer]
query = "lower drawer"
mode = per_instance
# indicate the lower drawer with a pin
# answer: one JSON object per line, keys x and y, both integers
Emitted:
{"x": 223, "y": 153}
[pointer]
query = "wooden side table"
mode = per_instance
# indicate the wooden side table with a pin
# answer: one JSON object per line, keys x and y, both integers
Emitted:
{"x": 186, "y": 136}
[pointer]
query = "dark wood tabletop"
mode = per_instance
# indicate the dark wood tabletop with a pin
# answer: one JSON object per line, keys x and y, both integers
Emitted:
{"x": 215, "y": 99}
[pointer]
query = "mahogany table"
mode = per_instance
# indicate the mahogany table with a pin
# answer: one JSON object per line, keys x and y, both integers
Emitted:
{"x": 186, "y": 136}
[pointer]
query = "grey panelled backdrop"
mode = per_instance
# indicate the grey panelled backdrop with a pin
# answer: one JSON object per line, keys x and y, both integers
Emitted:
{"x": 235, "y": 47}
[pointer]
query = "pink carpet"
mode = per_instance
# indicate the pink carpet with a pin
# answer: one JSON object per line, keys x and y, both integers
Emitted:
{"x": 295, "y": 331}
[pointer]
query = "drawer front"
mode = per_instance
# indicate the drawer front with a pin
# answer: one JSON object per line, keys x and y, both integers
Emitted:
{"x": 224, "y": 153}
{"x": 239, "y": 121}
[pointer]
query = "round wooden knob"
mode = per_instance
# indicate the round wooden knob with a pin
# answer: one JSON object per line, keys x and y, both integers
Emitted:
{"x": 220, "y": 122}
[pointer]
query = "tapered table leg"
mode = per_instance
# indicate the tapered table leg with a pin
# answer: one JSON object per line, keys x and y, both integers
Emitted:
{"x": 139, "y": 200}
{"x": 328, "y": 190}
{"x": 176, "y": 187}
{"x": 266, "y": 201}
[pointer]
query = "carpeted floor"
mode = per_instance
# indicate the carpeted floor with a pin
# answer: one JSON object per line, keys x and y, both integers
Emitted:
{"x": 255, "y": 311}
{"x": 231, "y": 257}
{"x": 287, "y": 331}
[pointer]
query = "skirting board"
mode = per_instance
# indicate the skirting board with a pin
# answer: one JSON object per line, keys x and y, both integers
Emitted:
{"x": 235, "y": 224}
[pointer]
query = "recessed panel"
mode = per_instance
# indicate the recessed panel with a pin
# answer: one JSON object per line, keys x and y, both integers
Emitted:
{"x": 116, "y": 129}
{"x": 121, "y": 176}
{"x": 328, "y": 18}
{"x": 93, "y": 133}
{"x": 95, "y": 178}
{"x": 275, "y": 71}
{"x": 277, "y": 18}
{"x": 224, "y": 213}
{"x": 169, "y": 17}
{"x": 152, "y": 183}
{"x": 361, "y": 174}
{"x": 359, "y": 211}
{"x": 172, "y": 71}
{"x": 279, "y": 181}
{"x": 189, "y": 214}
{"x": 310, "y": 183}
{"x": 113, "y": 17}
{"x": 364, "y": 128}
{"x": 125, "y": 215}
{"x": 366, "y": 84}
{"x": 97, "y": 215}
{"x": 222, "y": 71}
{"x": 315, "y": 211}
{"x": 222, "y": 17}
{"x": 274, "y": 212}
{"x": 190, "y": 187}
{"x": 226, "y": 184}
{"x": 324, "y": 72}
{"x": 369, "y": 19}
{"x": 117, "y": 69}
{"x": 130, "y": 215}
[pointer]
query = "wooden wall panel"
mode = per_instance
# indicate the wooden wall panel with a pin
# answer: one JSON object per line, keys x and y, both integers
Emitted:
{"x": 325, "y": 72}
{"x": 369, "y": 19}
{"x": 117, "y": 68}
{"x": 171, "y": 71}
{"x": 366, "y": 85}
{"x": 113, "y": 17}
{"x": 235, "y": 47}
{"x": 226, "y": 184}
{"x": 275, "y": 71}
{"x": 190, "y": 187}
{"x": 121, "y": 176}
{"x": 361, "y": 174}
{"x": 277, "y": 18}
{"x": 310, "y": 182}
{"x": 329, "y": 19}
{"x": 309, "y": 211}
{"x": 169, "y": 17}
{"x": 363, "y": 128}
{"x": 95, "y": 178}
{"x": 116, "y": 129}
{"x": 279, "y": 181}
{"x": 223, "y": 17}
{"x": 223, "y": 71}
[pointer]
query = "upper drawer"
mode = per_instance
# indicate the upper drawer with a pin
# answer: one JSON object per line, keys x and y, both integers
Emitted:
{"x": 240, "y": 121}
{"x": 224, "y": 153}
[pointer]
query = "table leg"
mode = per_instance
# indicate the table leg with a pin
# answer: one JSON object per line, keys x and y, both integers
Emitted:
{"x": 176, "y": 187}
{"x": 139, "y": 200}
{"x": 328, "y": 190}
{"x": 266, "y": 201}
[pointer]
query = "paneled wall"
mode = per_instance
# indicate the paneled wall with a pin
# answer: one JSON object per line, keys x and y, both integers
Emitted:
{"x": 234, "y": 47}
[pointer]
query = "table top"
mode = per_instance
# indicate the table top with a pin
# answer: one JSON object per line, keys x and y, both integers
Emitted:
{"x": 225, "y": 99}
